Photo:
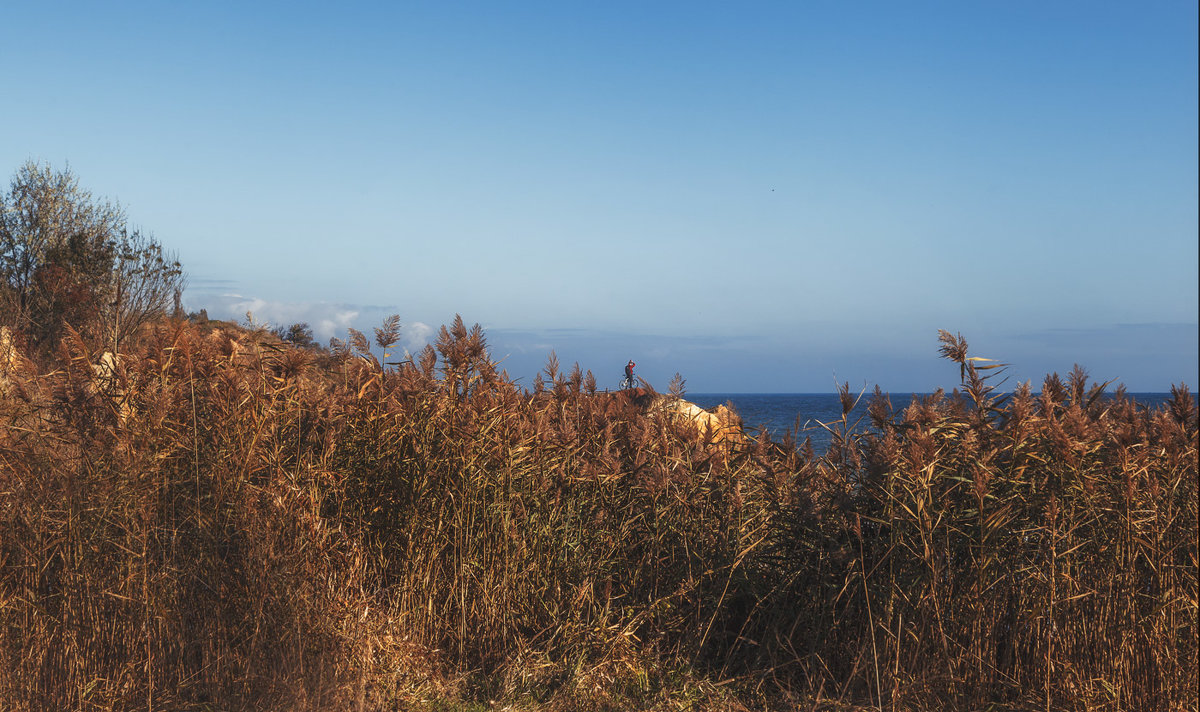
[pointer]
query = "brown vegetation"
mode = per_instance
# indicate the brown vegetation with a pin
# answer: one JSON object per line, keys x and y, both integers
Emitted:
{"x": 220, "y": 520}
{"x": 68, "y": 259}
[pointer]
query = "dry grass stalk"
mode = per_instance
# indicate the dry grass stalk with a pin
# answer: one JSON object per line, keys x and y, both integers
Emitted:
{"x": 233, "y": 522}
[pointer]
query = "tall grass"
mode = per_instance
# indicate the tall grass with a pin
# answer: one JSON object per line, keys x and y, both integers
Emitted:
{"x": 162, "y": 543}
{"x": 222, "y": 521}
{"x": 1037, "y": 551}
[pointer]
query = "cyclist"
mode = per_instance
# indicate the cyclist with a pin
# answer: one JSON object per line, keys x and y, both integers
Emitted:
{"x": 628, "y": 382}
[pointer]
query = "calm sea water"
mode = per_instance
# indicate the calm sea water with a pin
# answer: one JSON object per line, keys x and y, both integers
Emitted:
{"x": 803, "y": 412}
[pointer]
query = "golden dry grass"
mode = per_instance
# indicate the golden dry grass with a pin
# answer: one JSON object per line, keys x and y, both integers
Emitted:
{"x": 229, "y": 522}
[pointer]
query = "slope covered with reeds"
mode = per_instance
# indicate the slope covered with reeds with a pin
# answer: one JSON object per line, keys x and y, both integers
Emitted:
{"x": 218, "y": 520}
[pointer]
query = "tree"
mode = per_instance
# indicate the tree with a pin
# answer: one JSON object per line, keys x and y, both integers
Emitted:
{"x": 143, "y": 282}
{"x": 68, "y": 258}
{"x": 299, "y": 334}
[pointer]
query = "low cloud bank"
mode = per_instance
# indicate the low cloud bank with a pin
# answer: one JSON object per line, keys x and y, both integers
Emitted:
{"x": 326, "y": 319}
{"x": 1145, "y": 357}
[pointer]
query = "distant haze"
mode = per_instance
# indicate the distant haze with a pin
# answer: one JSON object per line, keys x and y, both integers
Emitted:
{"x": 763, "y": 197}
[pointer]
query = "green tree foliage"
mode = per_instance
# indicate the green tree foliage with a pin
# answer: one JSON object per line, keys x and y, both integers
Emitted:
{"x": 69, "y": 258}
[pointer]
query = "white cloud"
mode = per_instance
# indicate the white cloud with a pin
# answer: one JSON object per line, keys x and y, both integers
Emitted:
{"x": 326, "y": 319}
{"x": 414, "y": 336}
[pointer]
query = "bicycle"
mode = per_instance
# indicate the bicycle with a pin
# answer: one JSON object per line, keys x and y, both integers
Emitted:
{"x": 628, "y": 382}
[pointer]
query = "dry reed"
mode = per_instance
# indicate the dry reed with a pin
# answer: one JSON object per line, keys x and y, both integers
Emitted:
{"x": 224, "y": 521}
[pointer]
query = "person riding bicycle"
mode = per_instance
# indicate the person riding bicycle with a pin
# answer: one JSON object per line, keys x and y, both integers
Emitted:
{"x": 629, "y": 373}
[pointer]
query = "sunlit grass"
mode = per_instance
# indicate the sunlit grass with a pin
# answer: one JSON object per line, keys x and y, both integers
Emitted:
{"x": 229, "y": 522}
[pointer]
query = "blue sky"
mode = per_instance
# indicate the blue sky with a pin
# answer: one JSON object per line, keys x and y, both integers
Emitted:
{"x": 761, "y": 196}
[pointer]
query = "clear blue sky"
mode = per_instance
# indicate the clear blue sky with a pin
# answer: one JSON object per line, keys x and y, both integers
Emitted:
{"x": 761, "y": 196}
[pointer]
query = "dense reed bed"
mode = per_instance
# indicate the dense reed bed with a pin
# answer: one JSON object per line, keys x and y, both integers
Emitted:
{"x": 219, "y": 520}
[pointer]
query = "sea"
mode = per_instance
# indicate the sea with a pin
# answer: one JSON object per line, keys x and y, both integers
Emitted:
{"x": 804, "y": 413}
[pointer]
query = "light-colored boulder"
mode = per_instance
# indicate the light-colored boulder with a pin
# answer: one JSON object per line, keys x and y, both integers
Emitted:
{"x": 8, "y": 352}
{"x": 10, "y": 361}
{"x": 105, "y": 369}
{"x": 718, "y": 425}
{"x": 108, "y": 382}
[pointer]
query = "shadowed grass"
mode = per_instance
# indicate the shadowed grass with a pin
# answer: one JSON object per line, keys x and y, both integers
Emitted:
{"x": 225, "y": 521}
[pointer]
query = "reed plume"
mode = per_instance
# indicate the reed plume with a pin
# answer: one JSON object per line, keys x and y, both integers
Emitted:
{"x": 224, "y": 520}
